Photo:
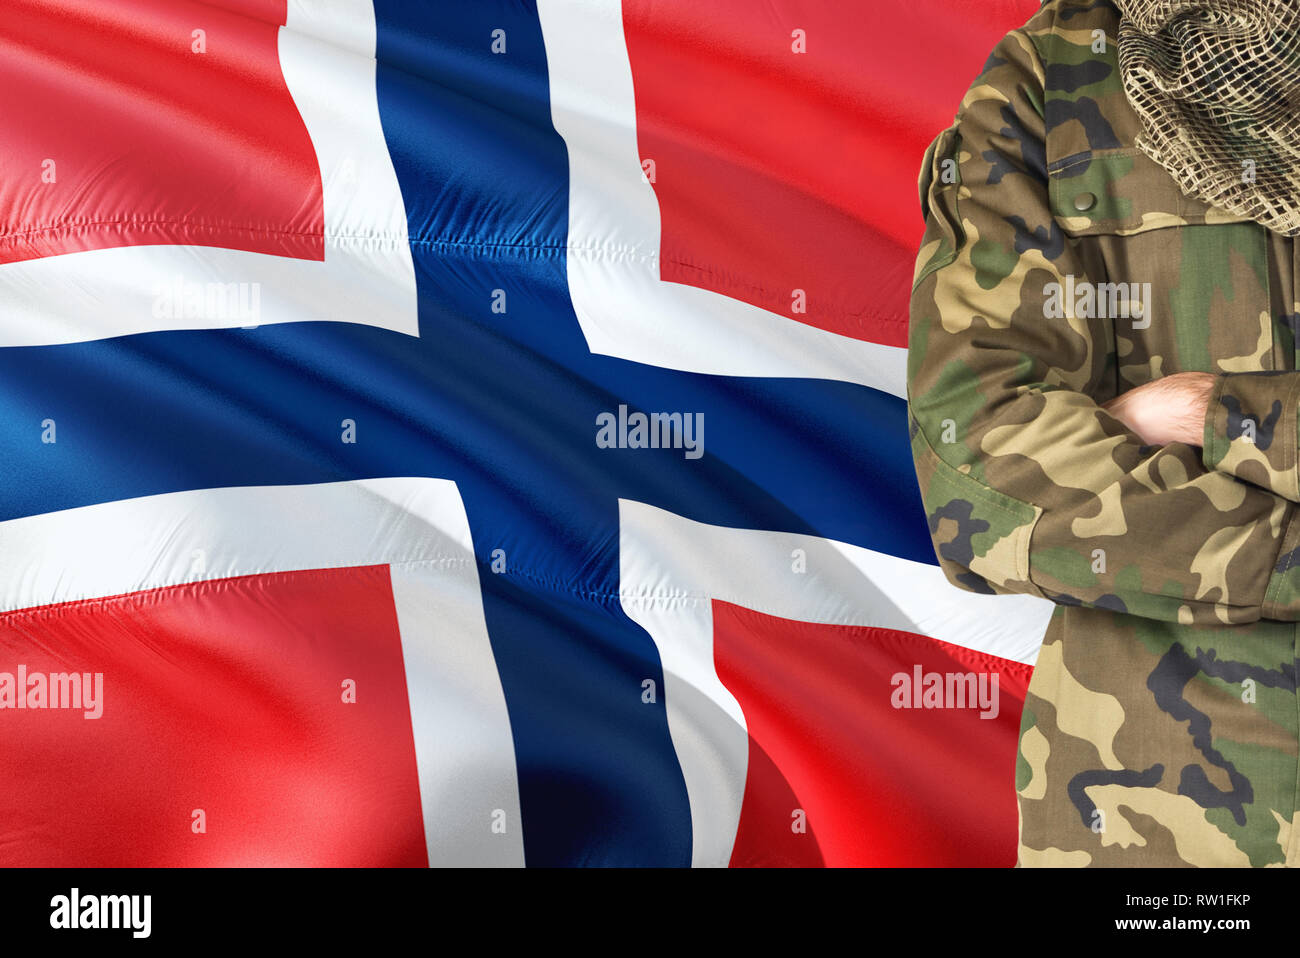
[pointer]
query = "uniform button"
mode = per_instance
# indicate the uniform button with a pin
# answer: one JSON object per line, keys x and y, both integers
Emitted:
{"x": 1084, "y": 202}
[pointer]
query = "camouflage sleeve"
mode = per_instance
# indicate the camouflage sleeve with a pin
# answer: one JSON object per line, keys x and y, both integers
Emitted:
{"x": 1028, "y": 485}
{"x": 1251, "y": 429}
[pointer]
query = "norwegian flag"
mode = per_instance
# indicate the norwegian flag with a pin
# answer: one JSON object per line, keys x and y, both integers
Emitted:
{"x": 327, "y": 535}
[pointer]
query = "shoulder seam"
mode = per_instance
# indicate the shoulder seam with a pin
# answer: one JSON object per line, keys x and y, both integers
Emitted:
{"x": 1040, "y": 71}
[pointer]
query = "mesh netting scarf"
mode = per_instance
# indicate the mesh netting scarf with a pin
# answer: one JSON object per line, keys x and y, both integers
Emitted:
{"x": 1216, "y": 84}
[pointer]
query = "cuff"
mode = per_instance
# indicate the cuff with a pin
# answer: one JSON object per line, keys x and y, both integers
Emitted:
{"x": 1250, "y": 429}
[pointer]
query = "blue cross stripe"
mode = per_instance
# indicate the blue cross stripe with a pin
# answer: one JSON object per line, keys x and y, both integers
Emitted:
{"x": 503, "y": 404}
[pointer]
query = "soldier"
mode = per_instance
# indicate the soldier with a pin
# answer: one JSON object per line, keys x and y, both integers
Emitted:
{"x": 1102, "y": 403}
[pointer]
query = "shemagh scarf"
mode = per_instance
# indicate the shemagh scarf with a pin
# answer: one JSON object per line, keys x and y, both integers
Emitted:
{"x": 1216, "y": 84}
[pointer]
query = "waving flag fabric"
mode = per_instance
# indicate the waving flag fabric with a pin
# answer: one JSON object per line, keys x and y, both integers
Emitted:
{"x": 473, "y": 434}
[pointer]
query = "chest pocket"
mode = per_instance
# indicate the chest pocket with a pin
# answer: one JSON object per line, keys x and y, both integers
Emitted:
{"x": 1186, "y": 286}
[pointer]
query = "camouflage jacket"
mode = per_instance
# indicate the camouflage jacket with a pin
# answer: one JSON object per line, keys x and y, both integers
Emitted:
{"x": 1060, "y": 267}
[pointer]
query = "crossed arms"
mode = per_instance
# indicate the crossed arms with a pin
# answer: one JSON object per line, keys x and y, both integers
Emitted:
{"x": 1148, "y": 503}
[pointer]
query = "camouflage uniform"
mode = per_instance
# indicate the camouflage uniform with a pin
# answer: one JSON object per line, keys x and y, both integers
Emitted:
{"x": 1161, "y": 722}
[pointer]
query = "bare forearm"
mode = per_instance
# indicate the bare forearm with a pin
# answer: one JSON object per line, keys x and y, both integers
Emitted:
{"x": 1165, "y": 410}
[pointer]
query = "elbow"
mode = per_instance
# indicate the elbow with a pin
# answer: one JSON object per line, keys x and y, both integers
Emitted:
{"x": 980, "y": 534}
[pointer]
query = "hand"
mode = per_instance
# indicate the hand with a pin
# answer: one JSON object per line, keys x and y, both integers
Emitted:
{"x": 1169, "y": 409}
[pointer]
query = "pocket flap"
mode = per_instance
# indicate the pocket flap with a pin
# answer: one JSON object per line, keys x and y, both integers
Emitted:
{"x": 1122, "y": 192}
